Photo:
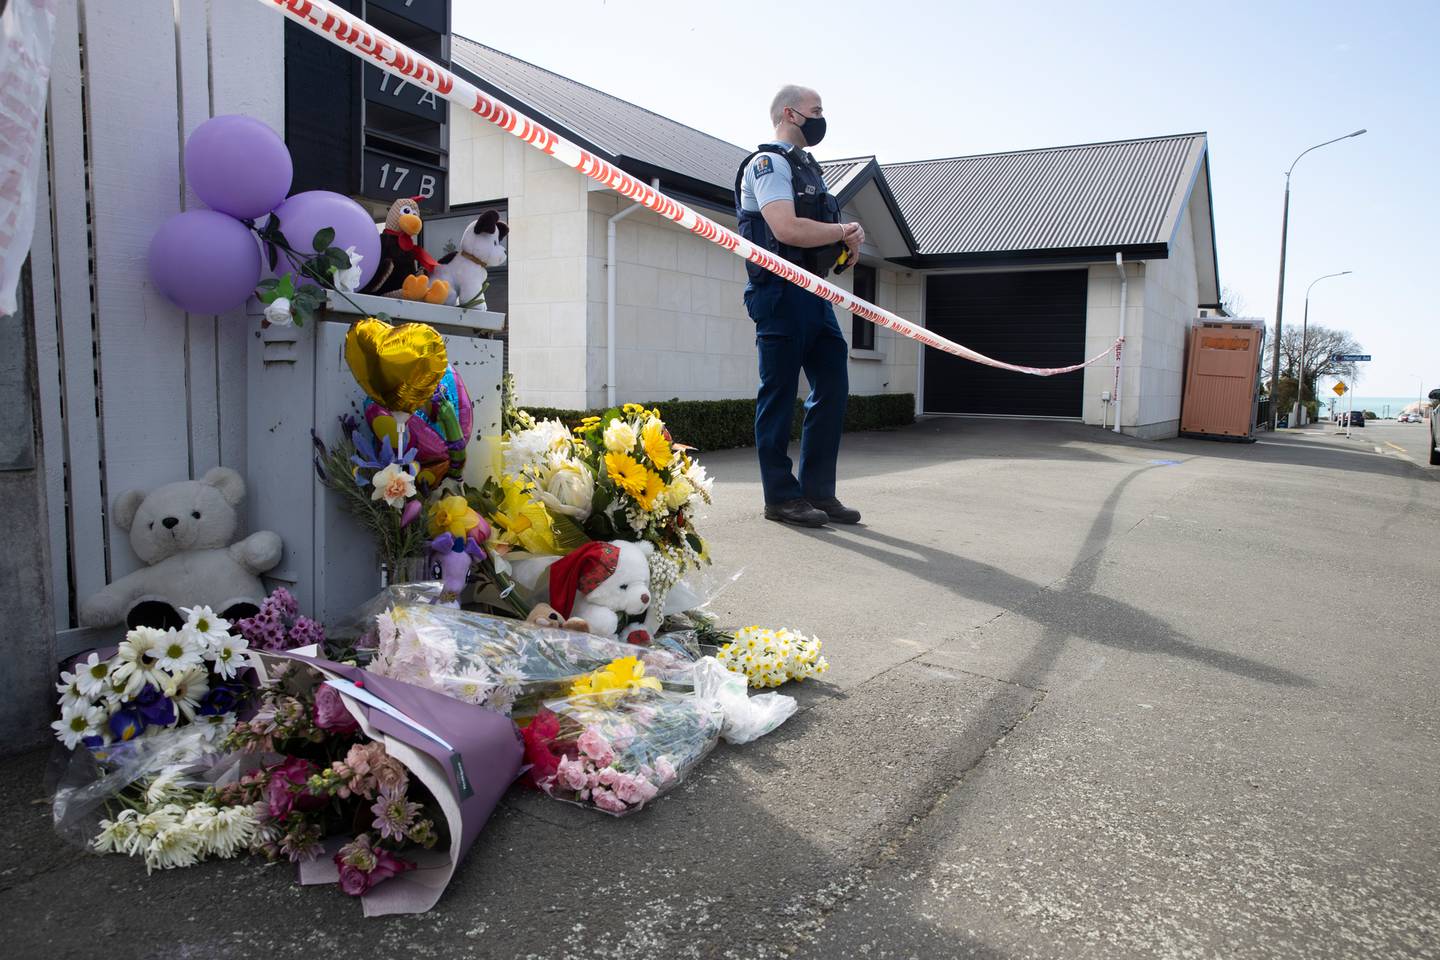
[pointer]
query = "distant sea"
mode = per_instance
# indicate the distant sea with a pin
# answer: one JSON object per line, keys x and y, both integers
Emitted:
{"x": 1384, "y": 406}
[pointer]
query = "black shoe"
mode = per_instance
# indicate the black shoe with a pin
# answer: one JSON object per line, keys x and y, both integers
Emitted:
{"x": 798, "y": 512}
{"x": 836, "y": 510}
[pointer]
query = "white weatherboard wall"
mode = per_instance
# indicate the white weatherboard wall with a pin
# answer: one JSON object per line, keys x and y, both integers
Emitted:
{"x": 135, "y": 393}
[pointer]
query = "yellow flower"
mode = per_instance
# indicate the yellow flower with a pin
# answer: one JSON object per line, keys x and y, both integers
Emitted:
{"x": 654, "y": 487}
{"x": 678, "y": 493}
{"x": 589, "y": 421}
{"x": 614, "y": 680}
{"x": 657, "y": 447}
{"x": 632, "y": 408}
{"x": 452, "y": 515}
{"x": 619, "y": 436}
{"x": 522, "y": 520}
{"x": 625, "y": 473}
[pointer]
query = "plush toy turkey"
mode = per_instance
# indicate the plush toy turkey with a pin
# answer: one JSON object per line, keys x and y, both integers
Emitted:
{"x": 405, "y": 267}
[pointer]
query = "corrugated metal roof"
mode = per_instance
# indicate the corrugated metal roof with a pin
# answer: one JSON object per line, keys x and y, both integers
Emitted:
{"x": 839, "y": 173}
{"x": 1092, "y": 195}
{"x": 617, "y": 127}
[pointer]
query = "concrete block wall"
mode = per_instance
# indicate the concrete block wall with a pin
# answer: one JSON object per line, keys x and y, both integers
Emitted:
{"x": 1171, "y": 305}
{"x": 548, "y": 245}
{"x": 894, "y": 364}
{"x": 1102, "y": 326}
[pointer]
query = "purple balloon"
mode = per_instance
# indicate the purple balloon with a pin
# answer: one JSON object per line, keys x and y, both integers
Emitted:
{"x": 238, "y": 165}
{"x": 306, "y": 214}
{"x": 204, "y": 262}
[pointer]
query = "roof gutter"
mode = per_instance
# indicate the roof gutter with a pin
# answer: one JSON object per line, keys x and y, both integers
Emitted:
{"x": 610, "y": 266}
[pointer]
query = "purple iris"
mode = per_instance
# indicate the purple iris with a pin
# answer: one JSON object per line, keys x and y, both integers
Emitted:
{"x": 221, "y": 698}
{"x": 155, "y": 708}
{"x": 367, "y": 457}
{"x": 126, "y": 723}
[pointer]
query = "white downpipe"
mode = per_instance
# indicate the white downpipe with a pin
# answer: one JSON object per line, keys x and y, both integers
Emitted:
{"x": 610, "y": 388}
{"x": 1120, "y": 351}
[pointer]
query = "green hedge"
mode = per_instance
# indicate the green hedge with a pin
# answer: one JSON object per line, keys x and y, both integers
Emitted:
{"x": 721, "y": 424}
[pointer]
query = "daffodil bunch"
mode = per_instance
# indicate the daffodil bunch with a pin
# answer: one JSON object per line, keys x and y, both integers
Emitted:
{"x": 613, "y": 681}
{"x": 768, "y": 658}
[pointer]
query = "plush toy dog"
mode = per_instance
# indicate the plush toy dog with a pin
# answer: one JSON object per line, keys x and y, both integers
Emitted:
{"x": 544, "y": 615}
{"x": 182, "y": 531}
{"x": 603, "y": 582}
{"x": 405, "y": 267}
{"x": 467, "y": 268}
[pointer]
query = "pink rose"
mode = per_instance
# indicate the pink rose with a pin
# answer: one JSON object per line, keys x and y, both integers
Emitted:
{"x": 593, "y": 744}
{"x": 665, "y": 770}
{"x": 571, "y": 774}
{"x": 353, "y": 881}
{"x": 287, "y": 788}
{"x": 609, "y": 776}
{"x": 628, "y": 787}
{"x": 331, "y": 714}
{"x": 607, "y": 801}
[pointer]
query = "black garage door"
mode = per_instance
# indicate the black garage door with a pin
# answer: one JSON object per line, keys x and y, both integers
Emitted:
{"x": 1035, "y": 318}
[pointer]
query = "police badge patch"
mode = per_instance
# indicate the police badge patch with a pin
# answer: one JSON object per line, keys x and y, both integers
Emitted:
{"x": 763, "y": 165}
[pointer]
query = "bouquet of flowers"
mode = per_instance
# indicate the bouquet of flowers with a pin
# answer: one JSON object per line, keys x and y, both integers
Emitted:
{"x": 620, "y": 476}
{"x": 157, "y": 680}
{"x": 768, "y": 658}
{"x": 279, "y": 625}
{"x": 501, "y": 663}
{"x": 618, "y": 742}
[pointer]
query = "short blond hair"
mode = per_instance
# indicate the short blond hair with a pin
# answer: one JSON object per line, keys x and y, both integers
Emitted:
{"x": 788, "y": 96}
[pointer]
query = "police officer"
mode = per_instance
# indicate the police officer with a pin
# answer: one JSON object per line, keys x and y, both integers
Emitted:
{"x": 783, "y": 205}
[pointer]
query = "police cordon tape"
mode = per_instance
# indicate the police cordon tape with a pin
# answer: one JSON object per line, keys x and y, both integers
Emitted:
{"x": 360, "y": 38}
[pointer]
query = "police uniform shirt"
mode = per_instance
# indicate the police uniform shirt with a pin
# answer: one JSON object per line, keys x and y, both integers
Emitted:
{"x": 767, "y": 179}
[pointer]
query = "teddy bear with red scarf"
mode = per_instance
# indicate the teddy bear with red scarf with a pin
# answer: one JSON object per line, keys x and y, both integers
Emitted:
{"x": 606, "y": 585}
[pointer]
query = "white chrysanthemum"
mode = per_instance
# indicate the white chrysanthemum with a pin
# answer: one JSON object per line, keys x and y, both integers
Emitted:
{"x": 178, "y": 652}
{"x": 186, "y": 688}
{"x": 206, "y": 627}
{"x": 174, "y": 846}
{"x": 472, "y": 686}
{"x": 137, "y": 656}
{"x": 228, "y": 830}
{"x": 118, "y": 835}
{"x": 165, "y": 788}
{"x": 528, "y": 449}
{"x": 509, "y": 679}
{"x": 227, "y": 655}
{"x": 82, "y": 720}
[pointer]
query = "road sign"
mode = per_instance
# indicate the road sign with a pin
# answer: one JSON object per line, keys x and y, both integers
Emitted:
{"x": 1350, "y": 357}
{"x": 1340, "y": 388}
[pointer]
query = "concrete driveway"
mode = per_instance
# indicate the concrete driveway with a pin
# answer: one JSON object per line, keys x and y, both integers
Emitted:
{"x": 1089, "y": 697}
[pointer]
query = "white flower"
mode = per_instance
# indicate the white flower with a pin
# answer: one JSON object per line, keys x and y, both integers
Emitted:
{"x": 137, "y": 655}
{"x": 93, "y": 676}
{"x": 175, "y": 846}
{"x": 347, "y": 280}
{"x": 71, "y": 696}
{"x": 164, "y": 788}
{"x": 695, "y": 473}
{"x": 228, "y": 656}
{"x": 206, "y": 627}
{"x": 567, "y": 486}
{"x": 186, "y": 688}
{"x": 178, "y": 652}
{"x": 80, "y": 721}
{"x": 277, "y": 313}
{"x": 619, "y": 436}
{"x": 529, "y": 448}
{"x": 118, "y": 835}
{"x": 472, "y": 686}
{"x": 510, "y": 679}
{"x": 225, "y": 831}
{"x": 213, "y": 730}
{"x": 394, "y": 484}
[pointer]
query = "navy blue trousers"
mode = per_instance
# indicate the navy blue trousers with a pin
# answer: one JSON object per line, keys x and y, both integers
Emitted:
{"x": 794, "y": 331}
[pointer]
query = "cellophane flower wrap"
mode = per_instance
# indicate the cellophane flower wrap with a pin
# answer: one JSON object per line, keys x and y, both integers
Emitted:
{"x": 620, "y": 742}
{"x": 620, "y": 476}
{"x": 502, "y": 663}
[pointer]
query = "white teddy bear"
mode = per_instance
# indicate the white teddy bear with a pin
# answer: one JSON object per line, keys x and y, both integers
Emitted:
{"x": 467, "y": 269}
{"x": 602, "y": 582}
{"x": 182, "y": 531}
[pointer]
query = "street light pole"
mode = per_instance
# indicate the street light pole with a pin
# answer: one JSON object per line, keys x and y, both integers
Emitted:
{"x": 1280, "y": 296}
{"x": 1298, "y": 415}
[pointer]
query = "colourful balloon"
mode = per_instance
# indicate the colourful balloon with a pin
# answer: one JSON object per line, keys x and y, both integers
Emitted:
{"x": 437, "y": 430}
{"x": 397, "y": 367}
{"x": 204, "y": 262}
{"x": 238, "y": 166}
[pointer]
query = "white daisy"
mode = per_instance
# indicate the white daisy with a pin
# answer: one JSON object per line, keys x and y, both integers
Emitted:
{"x": 228, "y": 655}
{"x": 186, "y": 688}
{"x": 510, "y": 679}
{"x": 206, "y": 627}
{"x": 80, "y": 721}
{"x": 92, "y": 675}
{"x": 178, "y": 652}
{"x": 136, "y": 659}
{"x": 472, "y": 686}
{"x": 71, "y": 696}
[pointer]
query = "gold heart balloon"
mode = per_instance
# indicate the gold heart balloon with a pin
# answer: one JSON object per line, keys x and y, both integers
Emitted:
{"x": 398, "y": 367}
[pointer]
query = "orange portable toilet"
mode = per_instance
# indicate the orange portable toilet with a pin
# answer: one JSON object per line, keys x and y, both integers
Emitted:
{"x": 1222, "y": 375}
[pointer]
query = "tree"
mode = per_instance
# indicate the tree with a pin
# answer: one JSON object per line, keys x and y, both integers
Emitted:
{"x": 1232, "y": 302}
{"x": 1321, "y": 345}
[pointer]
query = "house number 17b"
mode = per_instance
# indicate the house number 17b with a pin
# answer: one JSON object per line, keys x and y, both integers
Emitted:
{"x": 397, "y": 183}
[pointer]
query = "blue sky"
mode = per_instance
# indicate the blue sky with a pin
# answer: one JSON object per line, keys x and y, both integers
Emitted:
{"x": 913, "y": 80}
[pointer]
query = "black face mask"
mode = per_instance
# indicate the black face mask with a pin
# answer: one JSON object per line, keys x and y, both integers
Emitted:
{"x": 813, "y": 130}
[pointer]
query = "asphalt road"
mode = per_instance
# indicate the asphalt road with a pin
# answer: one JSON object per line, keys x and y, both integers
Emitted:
{"x": 1409, "y": 440}
{"x": 1090, "y": 697}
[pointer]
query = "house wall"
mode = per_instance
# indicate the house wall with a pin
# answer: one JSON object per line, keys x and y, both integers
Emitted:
{"x": 549, "y": 214}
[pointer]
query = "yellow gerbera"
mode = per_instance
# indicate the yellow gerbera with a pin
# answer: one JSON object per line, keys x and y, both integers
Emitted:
{"x": 452, "y": 515}
{"x": 657, "y": 446}
{"x": 654, "y": 488}
{"x": 626, "y": 474}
